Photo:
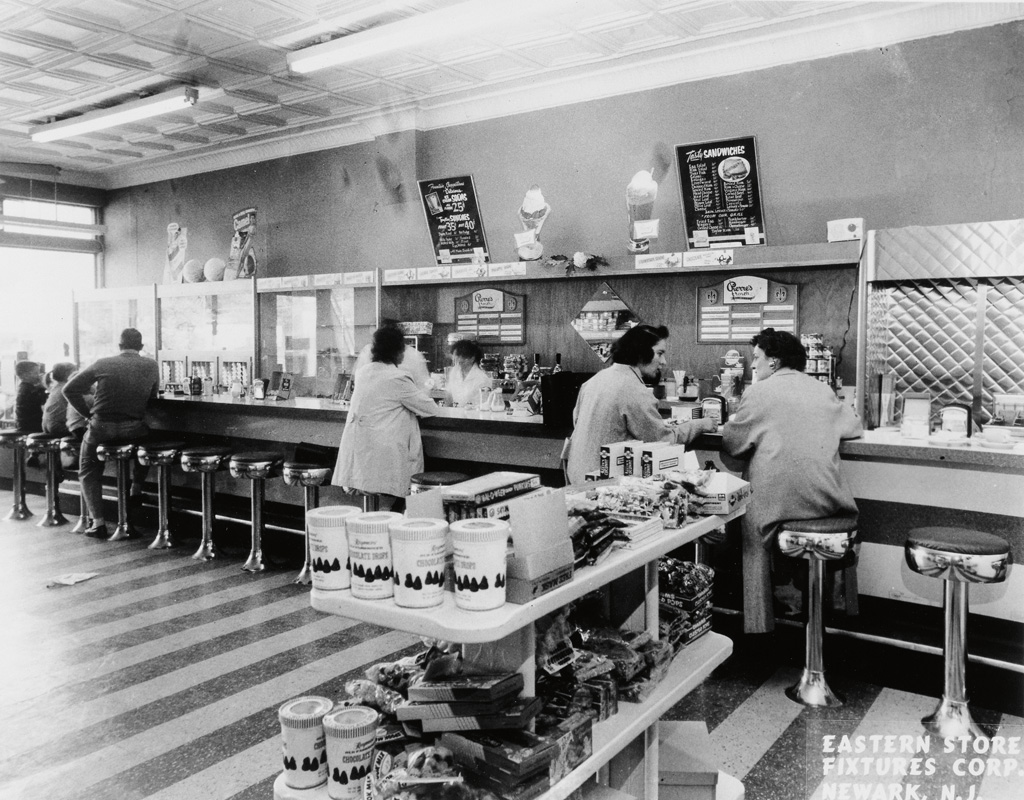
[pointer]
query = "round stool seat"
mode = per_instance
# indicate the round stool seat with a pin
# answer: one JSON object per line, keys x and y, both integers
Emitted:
{"x": 254, "y": 464}
{"x": 71, "y": 444}
{"x": 11, "y": 439}
{"x": 116, "y": 451}
{"x": 957, "y": 554}
{"x": 422, "y": 481}
{"x": 204, "y": 459}
{"x": 300, "y": 473}
{"x": 160, "y": 454}
{"x": 825, "y": 538}
{"x": 43, "y": 443}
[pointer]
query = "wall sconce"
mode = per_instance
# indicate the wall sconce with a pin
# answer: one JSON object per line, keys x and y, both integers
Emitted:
{"x": 172, "y": 100}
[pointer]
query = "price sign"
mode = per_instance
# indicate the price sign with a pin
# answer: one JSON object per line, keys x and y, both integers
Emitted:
{"x": 453, "y": 218}
{"x": 741, "y": 306}
{"x": 721, "y": 193}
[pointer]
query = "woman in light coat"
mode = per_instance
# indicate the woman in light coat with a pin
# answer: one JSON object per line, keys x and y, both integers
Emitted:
{"x": 380, "y": 447}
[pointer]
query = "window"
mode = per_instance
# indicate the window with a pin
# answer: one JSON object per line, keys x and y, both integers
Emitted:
{"x": 47, "y": 212}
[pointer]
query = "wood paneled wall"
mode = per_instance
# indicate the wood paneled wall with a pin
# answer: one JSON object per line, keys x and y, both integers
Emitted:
{"x": 827, "y": 306}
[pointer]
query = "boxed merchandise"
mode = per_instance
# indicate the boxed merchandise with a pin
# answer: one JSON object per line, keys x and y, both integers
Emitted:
{"x": 466, "y": 688}
{"x": 631, "y": 455}
{"x": 517, "y": 714}
{"x": 418, "y": 711}
{"x": 613, "y": 458}
{"x": 500, "y": 509}
{"x": 519, "y": 753}
{"x": 722, "y": 494}
{"x": 659, "y": 460}
{"x": 574, "y": 738}
{"x": 542, "y": 557}
{"x": 491, "y": 487}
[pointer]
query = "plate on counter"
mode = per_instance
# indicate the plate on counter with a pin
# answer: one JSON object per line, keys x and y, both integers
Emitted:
{"x": 995, "y": 445}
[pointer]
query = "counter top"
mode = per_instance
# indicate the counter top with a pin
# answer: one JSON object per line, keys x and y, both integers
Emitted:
{"x": 887, "y": 444}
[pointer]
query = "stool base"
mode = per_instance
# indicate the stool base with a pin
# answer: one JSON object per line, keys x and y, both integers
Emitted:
{"x": 254, "y": 563}
{"x": 952, "y": 720}
{"x": 123, "y": 532}
{"x": 20, "y": 511}
{"x": 163, "y": 540}
{"x": 812, "y": 690}
{"x": 53, "y": 519}
{"x": 206, "y": 552}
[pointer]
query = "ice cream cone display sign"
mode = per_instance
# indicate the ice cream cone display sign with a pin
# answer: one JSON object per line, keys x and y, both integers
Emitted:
{"x": 303, "y": 741}
{"x": 242, "y": 257}
{"x": 641, "y": 192}
{"x": 418, "y": 548}
{"x": 721, "y": 193}
{"x": 480, "y": 563}
{"x": 369, "y": 551}
{"x": 328, "y": 546}
{"x": 533, "y": 212}
{"x": 351, "y": 738}
{"x": 453, "y": 219}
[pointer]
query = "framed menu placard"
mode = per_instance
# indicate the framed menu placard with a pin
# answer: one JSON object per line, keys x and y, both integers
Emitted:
{"x": 741, "y": 306}
{"x": 721, "y": 193}
{"x": 492, "y": 316}
{"x": 453, "y": 218}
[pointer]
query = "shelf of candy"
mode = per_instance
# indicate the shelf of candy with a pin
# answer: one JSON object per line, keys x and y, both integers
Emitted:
{"x": 684, "y": 600}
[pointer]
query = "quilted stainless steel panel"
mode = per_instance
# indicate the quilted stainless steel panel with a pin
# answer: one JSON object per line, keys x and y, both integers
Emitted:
{"x": 1004, "y": 341}
{"x": 969, "y": 250}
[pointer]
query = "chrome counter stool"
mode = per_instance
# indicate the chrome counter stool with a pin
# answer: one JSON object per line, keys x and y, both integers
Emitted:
{"x": 425, "y": 481}
{"x": 818, "y": 541}
{"x": 959, "y": 557}
{"x": 122, "y": 453}
{"x": 16, "y": 441}
{"x": 257, "y": 466}
{"x": 43, "y": 443}
{"x": 72, "y": 446}
{"x": 161, "y": 455}
{"x": 206, "y": 461}
{"x": 311, "y": 477}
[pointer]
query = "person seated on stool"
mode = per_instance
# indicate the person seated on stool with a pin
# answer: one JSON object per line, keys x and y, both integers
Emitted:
{"x": 55, "y": 411}
{"x": 465, "y": 378}
{"x": 28, "y": 404}
{"x": 381, "y": 447}
{"x": 124, "y": 385}
{"x": 784, "y": 438}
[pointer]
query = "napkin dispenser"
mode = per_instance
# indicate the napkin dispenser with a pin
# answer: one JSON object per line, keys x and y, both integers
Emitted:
{"x": 956, "y": 419}
{"x": 916, "y": 421}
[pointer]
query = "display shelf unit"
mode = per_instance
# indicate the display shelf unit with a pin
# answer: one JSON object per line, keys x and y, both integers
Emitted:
{"x": 511, "y": 628}
{"x": 819, "y": 254}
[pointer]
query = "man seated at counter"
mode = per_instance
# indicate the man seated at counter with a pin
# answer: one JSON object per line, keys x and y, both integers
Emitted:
{"x": 412, "y": 362}
{"x": 618, "y": 403}
{"x": 465, "y": 378}
{"x": 784, "y": 438}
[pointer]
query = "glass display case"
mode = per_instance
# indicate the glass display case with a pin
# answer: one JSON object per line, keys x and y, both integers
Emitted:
{"x": 207, "y": 329}
{"x": 313, "y": 327}
{"x": 101, "y": 315}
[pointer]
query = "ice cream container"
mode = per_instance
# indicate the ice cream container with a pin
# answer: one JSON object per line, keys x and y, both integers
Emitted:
{"x": 303, "y": 742}
{"x": 480, "y": 563}
{"x": 369, "y": 551}
{"x": 328, "y": 546}
{"x": 418, "y": 552}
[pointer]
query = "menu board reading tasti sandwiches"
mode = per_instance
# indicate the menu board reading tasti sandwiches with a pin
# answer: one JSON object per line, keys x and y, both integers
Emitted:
{"x": 453, "y": 218}
{"x": 721, "y": 193}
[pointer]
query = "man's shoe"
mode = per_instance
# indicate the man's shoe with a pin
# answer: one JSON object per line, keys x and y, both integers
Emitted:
{"x": 97, "y": 532}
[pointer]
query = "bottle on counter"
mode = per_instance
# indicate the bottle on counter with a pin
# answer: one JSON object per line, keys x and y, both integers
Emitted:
{"x": 558, "y": 364}
{"x": 208, "y": 386}
{"x": 236, "y": 388}
{"x": 535, "y": 371}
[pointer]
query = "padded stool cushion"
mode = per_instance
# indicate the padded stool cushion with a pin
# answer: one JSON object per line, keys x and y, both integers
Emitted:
{"x": 439, "y": 478}
{"x": 161, "y": 446}
{"x": 204, "y": 459}
{"x": 42, "y": 442}
{"x": 256, "y": 457}
{"x": 961, "y": 541}
{"x": 9, "y": 438}
{"x": 203, "y": 452}
{"x": 305, "y": 473}
{"x": 843, "y": 524}
{"x": 116, "y": 450}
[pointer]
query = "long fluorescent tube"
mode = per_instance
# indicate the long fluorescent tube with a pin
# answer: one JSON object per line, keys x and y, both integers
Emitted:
{"x": 163, "y": 103}
{"x": 441, "y": 24}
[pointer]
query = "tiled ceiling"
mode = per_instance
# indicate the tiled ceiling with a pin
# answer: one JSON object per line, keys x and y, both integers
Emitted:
{"x": 61, "y": 58}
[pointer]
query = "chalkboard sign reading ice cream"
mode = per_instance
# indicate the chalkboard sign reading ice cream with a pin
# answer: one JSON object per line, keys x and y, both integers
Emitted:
{"x": 453, "y": 218}
{"x": 721, "y": 193}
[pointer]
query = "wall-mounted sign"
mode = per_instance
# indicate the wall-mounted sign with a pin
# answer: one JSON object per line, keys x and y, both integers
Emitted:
{"x": 721, "y": 193}
{"x": 453, "y": 218}
{"x": 741, "y": 306}
{"x": 492, "y": 316}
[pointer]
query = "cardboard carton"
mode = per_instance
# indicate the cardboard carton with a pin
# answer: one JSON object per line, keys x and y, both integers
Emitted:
{"x": 723, "y": 494}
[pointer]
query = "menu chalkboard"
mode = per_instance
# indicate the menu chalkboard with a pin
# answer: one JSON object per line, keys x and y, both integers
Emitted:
{"x": 453, "y": 218}
{"x": 721, "y": 193}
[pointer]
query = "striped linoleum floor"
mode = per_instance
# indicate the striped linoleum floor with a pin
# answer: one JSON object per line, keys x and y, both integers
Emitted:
{"x": 160, "y": 679}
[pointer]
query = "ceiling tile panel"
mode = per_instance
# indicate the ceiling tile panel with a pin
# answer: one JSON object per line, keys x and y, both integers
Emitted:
{"x": 12, "y": 46}
{"x": 116, "y": 15}
{"x": 189, "y": 36}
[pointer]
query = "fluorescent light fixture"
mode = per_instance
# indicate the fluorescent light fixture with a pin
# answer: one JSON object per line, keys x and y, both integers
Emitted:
{"x": 444, "y": 23}
{"x": 173, "y": 100}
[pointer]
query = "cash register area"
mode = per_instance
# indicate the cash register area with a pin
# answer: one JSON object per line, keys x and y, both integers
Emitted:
{"x": 160, "y": 679}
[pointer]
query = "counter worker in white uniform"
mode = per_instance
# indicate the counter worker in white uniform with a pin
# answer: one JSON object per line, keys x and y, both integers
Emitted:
{"x": 465, "y": 378}
{"x": 617, "y": 404}
{"x": 413, "y": 363}
{"x": 381, "y": 448}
